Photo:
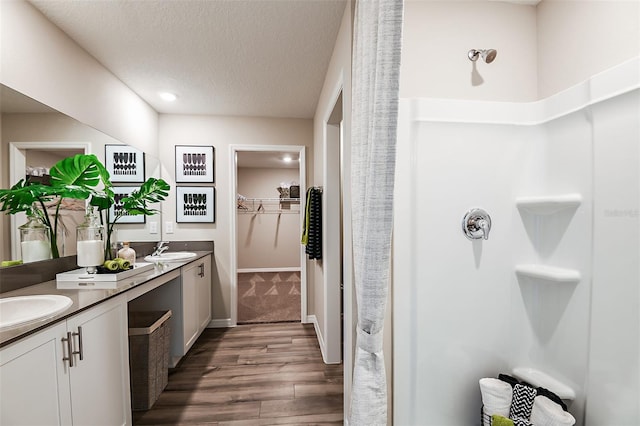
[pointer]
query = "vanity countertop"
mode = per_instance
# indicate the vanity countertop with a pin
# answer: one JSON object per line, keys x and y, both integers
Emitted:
{"x": 83, "y": 298}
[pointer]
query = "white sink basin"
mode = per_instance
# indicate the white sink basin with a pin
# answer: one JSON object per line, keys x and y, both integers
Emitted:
{"x": 20, "y": 310}
{"x": 175, "y": 256}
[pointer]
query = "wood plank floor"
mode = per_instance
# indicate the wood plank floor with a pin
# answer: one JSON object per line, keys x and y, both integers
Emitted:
{"x": 258, "y": 374}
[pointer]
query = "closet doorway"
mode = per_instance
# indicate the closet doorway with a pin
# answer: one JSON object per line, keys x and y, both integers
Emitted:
{"x": 269, "y": 276}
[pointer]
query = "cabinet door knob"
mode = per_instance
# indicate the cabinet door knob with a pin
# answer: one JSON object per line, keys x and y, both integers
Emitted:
{"x": 201, "y": 273}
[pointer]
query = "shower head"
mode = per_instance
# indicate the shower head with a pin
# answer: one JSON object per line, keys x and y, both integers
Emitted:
{"x": 488, "y": 55}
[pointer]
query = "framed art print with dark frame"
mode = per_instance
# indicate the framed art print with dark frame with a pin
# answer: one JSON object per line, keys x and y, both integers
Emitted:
{"x": 120, "y": 192}
{"x": 124, "y": 163}
{"x": 195, "y": 204}
{"x": 195, "y": 163}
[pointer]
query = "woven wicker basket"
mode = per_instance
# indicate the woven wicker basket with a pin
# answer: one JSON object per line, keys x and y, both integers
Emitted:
{"x": 149, "y": 337}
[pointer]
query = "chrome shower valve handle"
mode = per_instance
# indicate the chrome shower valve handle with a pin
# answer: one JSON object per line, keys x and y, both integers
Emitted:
{"x": 476, "y": 224}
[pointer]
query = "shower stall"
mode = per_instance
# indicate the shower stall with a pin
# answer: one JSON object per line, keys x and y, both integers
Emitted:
{"x": 517, "y": 207}
{"x": 552, "y": 294}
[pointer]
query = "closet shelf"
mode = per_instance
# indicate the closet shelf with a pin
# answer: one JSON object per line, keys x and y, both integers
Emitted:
{"x": 540, "y": 379}
{"x": 271, "y": 200}
{"x": 546, "y": 205}
{"x": 269, "y": 205}
{"x": 548, "y": 273}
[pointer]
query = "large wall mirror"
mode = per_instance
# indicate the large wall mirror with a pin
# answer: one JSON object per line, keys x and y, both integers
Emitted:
{"x": 33, "y": 138}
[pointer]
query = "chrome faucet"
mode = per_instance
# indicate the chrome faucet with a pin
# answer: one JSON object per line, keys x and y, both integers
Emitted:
{"x": 476, "y": 224}
{"x": 160, "y": 248}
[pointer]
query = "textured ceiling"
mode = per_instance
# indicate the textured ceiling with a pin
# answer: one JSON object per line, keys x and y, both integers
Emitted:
{"x": 223, "y": 57}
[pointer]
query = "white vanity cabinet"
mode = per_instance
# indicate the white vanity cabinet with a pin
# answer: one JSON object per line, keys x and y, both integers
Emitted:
{"x": 41, "y": 384}
{"x": 196, "y": 299}
{"x": 34, "y": 381}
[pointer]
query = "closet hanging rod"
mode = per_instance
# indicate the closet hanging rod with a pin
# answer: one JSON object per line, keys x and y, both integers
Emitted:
{"x": 270, "y": 199}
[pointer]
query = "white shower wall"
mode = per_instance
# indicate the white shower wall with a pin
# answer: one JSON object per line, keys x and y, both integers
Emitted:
{"x": 614, "y": 376}
{"x": 461, "y": 313}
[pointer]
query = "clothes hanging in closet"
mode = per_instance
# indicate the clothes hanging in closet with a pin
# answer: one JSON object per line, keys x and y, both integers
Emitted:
{"x": 312, "y": 229}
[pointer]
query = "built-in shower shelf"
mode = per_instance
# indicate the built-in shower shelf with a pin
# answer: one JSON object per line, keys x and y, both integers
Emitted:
{"x": 547, "y": 205}
{"x": 540, "y": 379}
{"x": 548, "y": 273}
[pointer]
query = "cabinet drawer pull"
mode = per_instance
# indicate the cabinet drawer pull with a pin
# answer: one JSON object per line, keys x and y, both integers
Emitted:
{"x": 69, "y": 349}
{"x": 79, "y": 351}
{"x": 201, "y": 273}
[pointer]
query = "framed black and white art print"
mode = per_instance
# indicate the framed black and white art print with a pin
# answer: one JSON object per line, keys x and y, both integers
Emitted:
{"x": 195, "y": 204}
{"x": 124, "y": 163}
{"x": 120, "y": 192}
{"x": 194, "y": 164}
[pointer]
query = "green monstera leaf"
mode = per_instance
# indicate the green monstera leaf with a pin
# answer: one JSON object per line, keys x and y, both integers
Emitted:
{"x": 80, "y": 177}
{"x": 21, "y": 196}
{"x": 152, "y": 191}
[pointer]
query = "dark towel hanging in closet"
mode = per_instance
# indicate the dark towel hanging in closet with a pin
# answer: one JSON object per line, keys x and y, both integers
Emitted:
{"x": 312, "y": 232}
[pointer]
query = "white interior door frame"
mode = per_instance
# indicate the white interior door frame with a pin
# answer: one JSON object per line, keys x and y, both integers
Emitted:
{"x": 18, "y": 170}
{"x": 331, "y": 228}
{"x": 233, "y": 191}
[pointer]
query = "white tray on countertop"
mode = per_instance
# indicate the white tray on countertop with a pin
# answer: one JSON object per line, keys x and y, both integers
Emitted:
{"x": 86, "y": 285}
{"x": 81, "y": 275}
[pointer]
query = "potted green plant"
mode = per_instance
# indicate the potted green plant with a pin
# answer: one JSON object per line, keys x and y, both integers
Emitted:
{"x": 151, "y": 191}
{"x": 81, "y": 177}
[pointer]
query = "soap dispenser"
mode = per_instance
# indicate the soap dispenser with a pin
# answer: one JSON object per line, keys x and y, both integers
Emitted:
{"x": 127, "y": 253}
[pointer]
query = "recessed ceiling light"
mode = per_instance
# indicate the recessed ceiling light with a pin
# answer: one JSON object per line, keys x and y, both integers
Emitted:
{"x": 286, "y": 159}
{"x": 167, "y": 96}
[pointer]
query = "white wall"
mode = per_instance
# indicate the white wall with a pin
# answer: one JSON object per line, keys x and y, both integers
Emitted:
{"x": 549, "y": 322}
{"x": 452, "y": 296}
{"x": 220, "y": 132}
{"x": 438, "y": 34}
{"x": 542, "y": 49}
{"x": 323, "y": 282}
{"x": 614, "y": 357}
{"x": 578, "y": 39}
{"x": 269, "y": 239}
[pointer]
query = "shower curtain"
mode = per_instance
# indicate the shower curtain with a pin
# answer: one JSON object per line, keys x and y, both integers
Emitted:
{"x": 376, "y": 65}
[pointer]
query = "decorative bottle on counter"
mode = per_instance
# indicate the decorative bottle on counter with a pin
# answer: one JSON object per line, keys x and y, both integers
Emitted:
{"x": 127, "y": 253}
{"x": 90, "y": 237}
{"x": 34, "y": 240}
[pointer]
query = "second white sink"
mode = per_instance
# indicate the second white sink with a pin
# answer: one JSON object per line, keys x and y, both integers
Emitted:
{"x": 175, "y": 256}
{"x": 20, "y": 310}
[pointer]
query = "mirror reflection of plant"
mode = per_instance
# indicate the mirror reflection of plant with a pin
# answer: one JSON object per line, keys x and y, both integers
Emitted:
{"x": 152, "y": 191}
{"x": 80, "y": 177}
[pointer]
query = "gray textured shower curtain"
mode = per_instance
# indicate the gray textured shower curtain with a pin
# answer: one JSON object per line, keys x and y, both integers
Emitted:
{"x": 376, "y": 66}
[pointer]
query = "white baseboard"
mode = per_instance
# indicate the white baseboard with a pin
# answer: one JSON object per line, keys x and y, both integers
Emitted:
{"x": 312, "y": 319}
{"x": 258, "y": 270}
{"x": 221, "y": 323}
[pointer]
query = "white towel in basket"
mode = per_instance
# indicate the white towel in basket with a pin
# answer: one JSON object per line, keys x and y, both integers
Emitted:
{"x": 496, "y": 398}
{"x": 545, "y": 412}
